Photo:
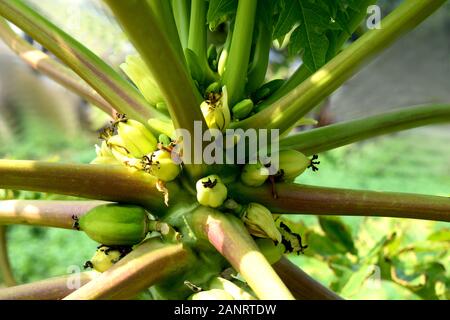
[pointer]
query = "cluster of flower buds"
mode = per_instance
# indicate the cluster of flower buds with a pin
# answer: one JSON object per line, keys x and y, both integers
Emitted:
{"x": 130, "y": 143}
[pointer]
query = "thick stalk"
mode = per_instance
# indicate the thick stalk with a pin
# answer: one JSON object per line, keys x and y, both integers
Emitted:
{"x": 163, "y": 12}
{"x": 181, "y": 14}
{"x": 303, "y": 199}
{"x": 235, "y": 76}
{"x": 49, "y": 289}
{"x": 107, "y": 82}
{"x": 101, "y": 182}
{"x": 57, "y": 214}
{"x": 285, "y": 112}
{"x": 41, "y": 62}
{"x": 229, "y": 236}
{"x": 139, "y": 20}
{"x": 302, "y": 286}
{"x": 149, "y": 263}
{"x": 338, "y": 135}
{"x": 5, "y": 266}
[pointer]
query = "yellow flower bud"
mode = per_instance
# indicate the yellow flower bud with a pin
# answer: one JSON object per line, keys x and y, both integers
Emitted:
{"x": 259, "y": 222}
{"x": 136, "y": 69}
{"x": 236, "y": 292}
{"x": 105, "y": 257}
{"x": 216, "y": 111}
{"x": 136, "y": 138}
{"x": 160, "y": 165}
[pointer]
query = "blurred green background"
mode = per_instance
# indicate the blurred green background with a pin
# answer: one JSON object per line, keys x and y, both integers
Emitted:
{"x": 358, "y": 257}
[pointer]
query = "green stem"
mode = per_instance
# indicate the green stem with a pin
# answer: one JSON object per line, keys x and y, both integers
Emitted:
{"x": 163, "y": 12}
{"x": 285, "y": 112}
{"x": 149, "y": 263}
{"x": 5, "y": 266}
{"x": 108, "y": 83}
{"x": 235, "y": 76}
{"x": 229, "y": 236}
{"x": 303, "y": 199}
{"x": 260, "y": 62}
{"x": 49, "y": 289}
{"x": 57, "y": 214}
{"x": 183, "y": 100}
{"x": 181, "y": 13}
{"x": 337, "y": 135}
{"x": 302, "y": 73}
{"x": 102, "y": 182}
{"x": 51, "y": 68}
{"x": 302, "y": 286}
{"x": 197, "y": 29}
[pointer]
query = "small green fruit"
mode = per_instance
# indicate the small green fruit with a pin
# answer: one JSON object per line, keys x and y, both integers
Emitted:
{"x": 115, "y": 224}
{"x": 211, "y": 192}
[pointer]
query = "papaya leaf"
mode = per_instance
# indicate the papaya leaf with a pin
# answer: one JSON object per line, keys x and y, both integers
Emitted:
{"x": 338, "y": 232}
{"x": 219, "y": 11}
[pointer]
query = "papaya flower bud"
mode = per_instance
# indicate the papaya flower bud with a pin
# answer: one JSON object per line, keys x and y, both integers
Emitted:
{"x": 160, "y": 165}
{"x": 254, "y": 175}
{"x": 292, "y": 163}
{"x": 235, "y": 291}
{"x": 211, "y": 192}
{"x": 213, "y": 294}
{"x": 259, "y": 222}
{"x": 243, "y": 109}
{"x": 136, "y": 138}
{"x": 216, "y": 111}
{"x": 105, "y": 257}
{"x": 138, "y": 72}
{"x": 104, "y": 155}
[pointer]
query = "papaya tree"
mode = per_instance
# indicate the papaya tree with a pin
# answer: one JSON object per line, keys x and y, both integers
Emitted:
{"x": 201, "y": 155}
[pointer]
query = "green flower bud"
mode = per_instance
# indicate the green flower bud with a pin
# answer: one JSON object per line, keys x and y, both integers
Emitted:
{"x": 292, "y": 164}
{"x": 213, "y": 294}
{"x": 236, "y": 292}
{"x": 254, "y": 175}
{"x": 215, "y": 110}
{"x": 266, "y": 90}
{"x": 243, "y": 109}
{"x": 160, "y": 165}
{"x": 214, "y": 87}
{"x": 136, "y": 69}
{"x": 259, "y": 222}
{"x": 211, "y": 192}
{"x": 136, "y": 138}
{"x": 115, "y": 224}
